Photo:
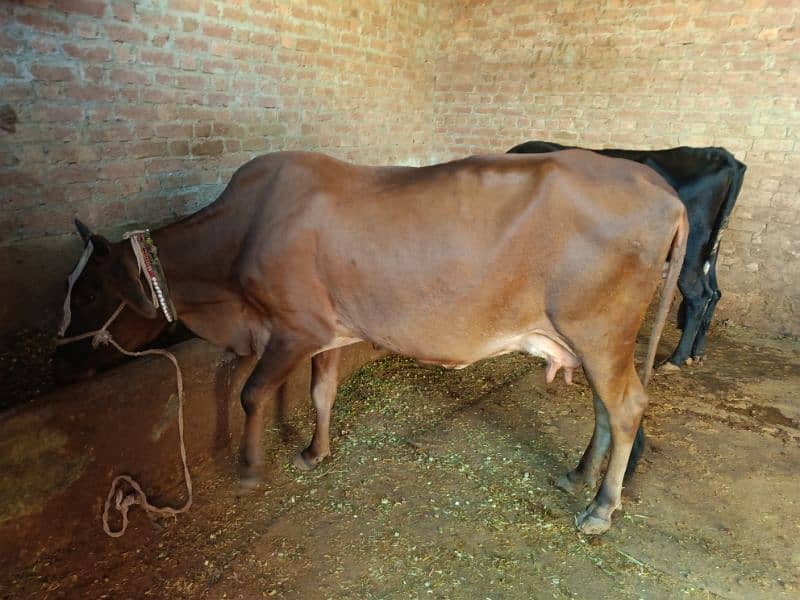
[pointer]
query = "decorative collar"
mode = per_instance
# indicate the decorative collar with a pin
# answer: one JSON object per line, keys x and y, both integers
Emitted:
{"x": 147, "y": 256}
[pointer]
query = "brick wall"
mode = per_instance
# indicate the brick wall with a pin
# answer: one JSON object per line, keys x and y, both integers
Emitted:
{"x": 135, "y": 111}
{"x": 646, "y": 74}
{"x": 138, "y": 111}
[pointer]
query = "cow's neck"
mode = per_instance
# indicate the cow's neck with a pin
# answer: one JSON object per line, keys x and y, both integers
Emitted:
{"x": 197, "y": 255}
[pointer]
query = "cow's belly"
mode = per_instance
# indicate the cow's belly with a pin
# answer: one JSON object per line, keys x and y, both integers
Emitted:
{"x": 538, "y": 342}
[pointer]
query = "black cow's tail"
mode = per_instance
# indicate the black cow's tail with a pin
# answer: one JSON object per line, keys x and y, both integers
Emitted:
{"x": 737, "y": 178}
{"x": 677, "y": 254}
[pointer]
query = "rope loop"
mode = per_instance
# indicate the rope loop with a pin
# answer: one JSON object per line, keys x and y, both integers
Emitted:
{"x": 123, "y": 501}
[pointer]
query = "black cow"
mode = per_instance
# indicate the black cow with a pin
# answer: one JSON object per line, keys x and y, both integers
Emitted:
{"x": 708, "y": 181}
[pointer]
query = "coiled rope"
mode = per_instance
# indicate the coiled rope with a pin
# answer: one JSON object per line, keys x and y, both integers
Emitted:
{"x": 123, "y": 501}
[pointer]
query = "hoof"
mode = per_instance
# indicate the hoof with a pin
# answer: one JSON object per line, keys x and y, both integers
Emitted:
{"x": 698, "y": 359}
{"x": 668, "y": 368}
{"x": 307, "y": 464}
{"x": 590, "y": 524}
{"x": 249, "y": 481}
{"x": 571, "y": 483}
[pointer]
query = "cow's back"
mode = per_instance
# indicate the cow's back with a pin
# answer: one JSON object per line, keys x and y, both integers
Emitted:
{"x": 442, "y": 262}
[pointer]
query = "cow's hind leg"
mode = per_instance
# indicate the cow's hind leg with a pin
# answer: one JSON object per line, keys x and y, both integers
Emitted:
{"x": 586, "y": 474}
{"x": 625, "y": 400}
{"x": 696, "y": 297}
{"x": 280, "y": 357}
{"x": 324, "y": 379}
{"x": 588, "y": 469}
{"x": 699, "y": 347}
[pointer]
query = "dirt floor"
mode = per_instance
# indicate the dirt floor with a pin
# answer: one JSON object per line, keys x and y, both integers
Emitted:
{"x": 441, "y": 486}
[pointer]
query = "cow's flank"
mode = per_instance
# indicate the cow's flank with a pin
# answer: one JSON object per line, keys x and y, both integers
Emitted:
{"x": 707, "y": 181}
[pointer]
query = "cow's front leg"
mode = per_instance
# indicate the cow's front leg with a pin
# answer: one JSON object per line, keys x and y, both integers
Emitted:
{"x": 280, "y": 357}
{"x": 624, "y": 414}
{"x": 324, "y": 379}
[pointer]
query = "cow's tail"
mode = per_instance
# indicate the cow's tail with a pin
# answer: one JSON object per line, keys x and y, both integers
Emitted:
{"x": 677, "y": 253}
{"x": 737, "y": 170}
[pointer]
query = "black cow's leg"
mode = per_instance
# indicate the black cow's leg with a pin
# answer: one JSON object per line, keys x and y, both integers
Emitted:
{"x": 278, "y": 360}
{"x": 588, "y": 469}
{"x": 695, "y": 300}
{"x": 699, "y": 347}
{"x": 625, "y": 400}
{"x": 324, "y": 379}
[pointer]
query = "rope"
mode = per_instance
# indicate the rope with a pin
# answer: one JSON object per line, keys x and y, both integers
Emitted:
{"x": 123, "y": 501}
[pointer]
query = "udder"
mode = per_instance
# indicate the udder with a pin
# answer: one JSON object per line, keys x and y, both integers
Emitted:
{"x": 557, "y": 354}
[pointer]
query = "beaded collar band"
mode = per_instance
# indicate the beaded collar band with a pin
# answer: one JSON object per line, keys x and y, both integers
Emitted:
{"x": 147, "y": 256}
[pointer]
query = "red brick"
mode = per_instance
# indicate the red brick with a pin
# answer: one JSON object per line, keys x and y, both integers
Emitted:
{"x": 208, "y": 148}
{"x": 123, "y": 10}
{"x": 193, "y": 82}
{"x": 217, "y": 31}
{"x": 37, "y": 223}
{"x": 220, "y": 99}
{"x": 178, "y": 148}
{"x": 88, "y": 53}
{"x": 41, "y": 22}
{"x": 86, "y": 29}
{"x": 110, "y": 132}
{"x": 189, "y": 24}
{"x": 52, "y": 72}
{"x": 184, "y": 5}
{"x": 158, "y": 95}
{"x": 8, "y": 41}
{"x": 83, "y": 92}
{"x": 165, "y": 165}
{"x": 57, "y": 113}
{"x": 136, "y": 112}
{"x": 173, "y": 130}
{"x": 147, "y": 149}
{"x": 234, "y": 14}
{"x": 93, "y": 8}
{"x": 75, "y": 173}
{"x": 157, "y": 57}
{"x": 124, "y": 33}
{"x": 8, "y": 67}
{"x": 190, "y": 43}
{"x": 130, "y": 168}
{"x": 128, "y": 76}
{"x": 202, "y": 130}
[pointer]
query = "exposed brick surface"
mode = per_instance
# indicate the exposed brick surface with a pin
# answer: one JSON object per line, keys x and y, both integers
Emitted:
{"x": 654, "y": 74}
{"x": 138, "y": 111}
{"x": 126, "y": 108}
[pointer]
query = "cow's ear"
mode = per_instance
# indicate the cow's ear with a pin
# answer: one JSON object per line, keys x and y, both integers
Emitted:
{"x": 102, "y": 248}
{"x": 86, "y": 233}
{"x": 127, "y": 285}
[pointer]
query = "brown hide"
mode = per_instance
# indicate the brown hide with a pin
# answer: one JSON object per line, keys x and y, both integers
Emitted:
{"x": 555, "y": 254}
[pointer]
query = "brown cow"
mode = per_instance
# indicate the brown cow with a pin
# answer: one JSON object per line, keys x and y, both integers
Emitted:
{"x": 557, "y": 255}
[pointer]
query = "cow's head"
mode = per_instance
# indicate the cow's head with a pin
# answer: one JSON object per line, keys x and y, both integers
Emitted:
{"x": 110, "y": 276}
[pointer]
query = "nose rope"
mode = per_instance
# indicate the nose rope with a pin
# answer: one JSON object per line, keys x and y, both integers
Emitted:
{"x": 123, "y": 501}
